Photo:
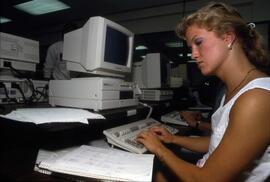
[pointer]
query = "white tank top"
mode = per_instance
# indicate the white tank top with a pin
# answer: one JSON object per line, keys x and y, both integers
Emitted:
{"x": 220, "y": 121}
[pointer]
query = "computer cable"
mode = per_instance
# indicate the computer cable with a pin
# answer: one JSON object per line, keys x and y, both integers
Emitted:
{"x": 29, "y": 81}
{"x": 6, "y": 93}
{"x": 2, "y": 85}
{"x": 18, "y": 87}
{"x": 150, "y": 109}
{"x": 42, "y": 93}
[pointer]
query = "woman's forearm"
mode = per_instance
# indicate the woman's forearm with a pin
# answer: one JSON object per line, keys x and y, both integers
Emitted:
{"x": 196, "y": 144}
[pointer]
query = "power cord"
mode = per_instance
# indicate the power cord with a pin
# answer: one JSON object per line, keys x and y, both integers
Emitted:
{"x": 150, "y": 109}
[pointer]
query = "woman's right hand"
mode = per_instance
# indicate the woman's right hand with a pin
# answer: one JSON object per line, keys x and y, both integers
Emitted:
{"x": 162, "y": 133}
{"x": 150, "y": 140}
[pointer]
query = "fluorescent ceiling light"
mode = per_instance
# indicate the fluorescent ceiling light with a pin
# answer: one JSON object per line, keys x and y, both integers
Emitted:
{"x": 143, "y": 57}
{"x": 174, "y": 44}
{"x": 39, "y": 7}
{"x": 181, "y": 55}
{"x": 141, "y": 47}
{"x": 4, "y": 19}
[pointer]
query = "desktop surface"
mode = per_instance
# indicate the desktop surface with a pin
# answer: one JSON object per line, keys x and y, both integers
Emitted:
{"x": 21, "y": 141}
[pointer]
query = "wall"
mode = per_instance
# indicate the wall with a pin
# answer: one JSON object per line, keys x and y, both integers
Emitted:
{"x": 164, "y": 18}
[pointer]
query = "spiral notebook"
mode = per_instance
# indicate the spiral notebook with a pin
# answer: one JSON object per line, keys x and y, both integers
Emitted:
{"x": 101, "y": 163}
{"x": 48, "y": 157}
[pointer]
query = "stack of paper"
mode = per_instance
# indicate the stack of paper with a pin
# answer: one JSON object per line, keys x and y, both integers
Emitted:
{"x": 101, "y": 163}
{"x": 50, "y": 115}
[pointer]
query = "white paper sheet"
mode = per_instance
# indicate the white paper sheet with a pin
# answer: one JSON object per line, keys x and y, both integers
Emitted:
{"x": 52, "y": 115}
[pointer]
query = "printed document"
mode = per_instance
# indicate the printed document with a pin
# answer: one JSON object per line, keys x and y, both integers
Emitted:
{"x": 101, "y": 163}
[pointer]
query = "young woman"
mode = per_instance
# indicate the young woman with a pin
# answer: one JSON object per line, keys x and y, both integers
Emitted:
{"x": 239, "y": 146}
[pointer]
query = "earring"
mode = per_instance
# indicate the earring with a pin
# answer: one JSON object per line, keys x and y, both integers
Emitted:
{"x": 230, "y": 46}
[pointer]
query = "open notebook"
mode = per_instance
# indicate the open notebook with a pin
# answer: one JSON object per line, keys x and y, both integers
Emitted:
{"x": 101, "y": 163}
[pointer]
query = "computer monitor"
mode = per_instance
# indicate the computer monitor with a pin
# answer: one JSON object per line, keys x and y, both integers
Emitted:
{"x": 100, "y": 47}
{"x": 156, "y": 70}
{"x": 18, "y": 53}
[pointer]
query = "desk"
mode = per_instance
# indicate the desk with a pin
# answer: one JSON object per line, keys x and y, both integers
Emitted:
{"x": 21, "y": 141}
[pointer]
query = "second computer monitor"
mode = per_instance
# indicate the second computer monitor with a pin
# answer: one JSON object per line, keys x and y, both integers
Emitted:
{"x": 156, "y": 71}
{"x": 18, "y": 53}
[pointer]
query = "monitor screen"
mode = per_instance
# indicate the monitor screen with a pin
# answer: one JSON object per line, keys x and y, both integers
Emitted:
{"x": 100, "y": 47}
{"x": 116, "y": 47}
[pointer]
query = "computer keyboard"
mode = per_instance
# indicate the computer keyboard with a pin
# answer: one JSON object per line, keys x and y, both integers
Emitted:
{"x": 125, "y": 136}
{"x": 174, "y": 118}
